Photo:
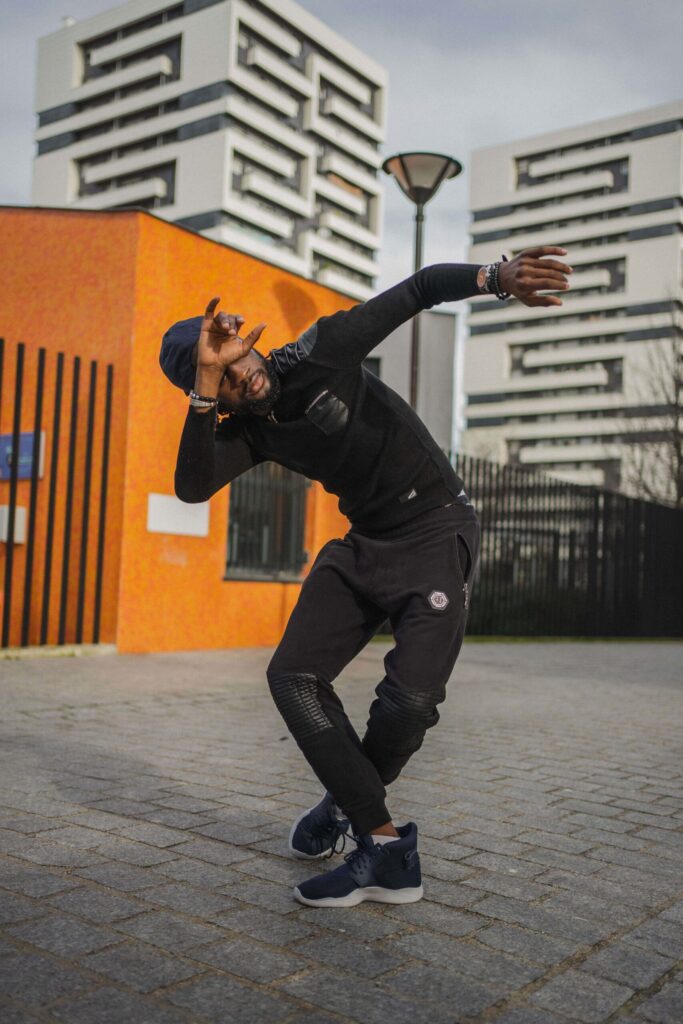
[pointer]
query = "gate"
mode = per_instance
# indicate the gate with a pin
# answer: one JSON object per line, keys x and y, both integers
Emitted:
{"x": 53, "y": 496}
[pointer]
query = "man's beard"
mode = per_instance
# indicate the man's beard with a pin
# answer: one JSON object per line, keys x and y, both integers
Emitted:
{"x": 262, "y": 406}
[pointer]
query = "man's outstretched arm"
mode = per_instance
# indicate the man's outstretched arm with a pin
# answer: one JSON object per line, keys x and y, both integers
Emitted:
{"x": 345, "y": 338}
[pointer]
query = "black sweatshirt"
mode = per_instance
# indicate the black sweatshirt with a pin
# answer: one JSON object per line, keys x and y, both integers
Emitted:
{"x": 335, "y": 421}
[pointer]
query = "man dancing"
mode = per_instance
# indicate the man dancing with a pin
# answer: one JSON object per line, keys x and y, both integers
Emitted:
{"x": 409, "y": 555}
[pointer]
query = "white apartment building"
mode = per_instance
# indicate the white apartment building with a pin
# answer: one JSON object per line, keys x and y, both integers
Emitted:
{"x": 247, "y": 120}
{"x": 576, "y": 390}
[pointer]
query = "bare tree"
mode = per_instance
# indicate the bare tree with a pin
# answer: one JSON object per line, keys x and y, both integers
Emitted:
{"x": 652, "y": 465}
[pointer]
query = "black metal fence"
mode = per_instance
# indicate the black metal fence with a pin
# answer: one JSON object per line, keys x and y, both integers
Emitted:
{"x": 266, "y": 524}
{"x": 560, "y": 559}
{"x": 50, "y": 585}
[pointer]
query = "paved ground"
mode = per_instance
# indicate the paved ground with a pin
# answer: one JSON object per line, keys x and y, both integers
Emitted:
{"x": 144, "y": 812}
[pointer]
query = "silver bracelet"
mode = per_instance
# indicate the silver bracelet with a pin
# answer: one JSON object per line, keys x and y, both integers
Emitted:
{"x": 201, "y": 401}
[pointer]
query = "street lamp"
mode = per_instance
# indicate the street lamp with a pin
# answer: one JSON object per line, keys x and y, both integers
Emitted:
{"x": 419, "y": 176}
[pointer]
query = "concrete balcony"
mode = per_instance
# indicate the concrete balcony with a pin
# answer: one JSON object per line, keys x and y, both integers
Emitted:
{"x": 160, "y": 65}
{"x": 263, "y": 58}
{"x": 128, "y": 195}
{"x": 340, "y": 196}
{"x": 349, "y": 229}
{"x": 335, "y": 106}
{"x": 341, "y": 283}
{"x": 334, "y": 163}
{"x": 262, "y": 185}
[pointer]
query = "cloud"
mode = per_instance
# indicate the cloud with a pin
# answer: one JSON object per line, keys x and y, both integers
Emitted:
{"x": 463, "y": 74}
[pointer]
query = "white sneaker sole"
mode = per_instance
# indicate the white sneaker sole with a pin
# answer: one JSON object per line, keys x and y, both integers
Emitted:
{"x": 299, "y": 853}
{"x": 371, "y": 892}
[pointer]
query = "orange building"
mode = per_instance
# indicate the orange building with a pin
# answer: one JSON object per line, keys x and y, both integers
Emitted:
{"x": 104, "y": 287}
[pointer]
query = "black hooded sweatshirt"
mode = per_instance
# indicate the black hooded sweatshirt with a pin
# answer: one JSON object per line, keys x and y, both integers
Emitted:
{"x": 334, "y": 421}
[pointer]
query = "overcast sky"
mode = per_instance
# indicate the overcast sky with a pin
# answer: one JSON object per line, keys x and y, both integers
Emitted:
{"x": 462, "y": 74}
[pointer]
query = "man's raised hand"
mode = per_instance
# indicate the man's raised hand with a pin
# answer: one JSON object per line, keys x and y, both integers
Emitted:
{"x": 219, "y": 341}
{"x": 529, "y": 273}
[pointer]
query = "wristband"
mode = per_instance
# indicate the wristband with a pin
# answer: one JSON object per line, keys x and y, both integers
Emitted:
{"x": 492, "y": 283}
{"x": 202, "y": 401}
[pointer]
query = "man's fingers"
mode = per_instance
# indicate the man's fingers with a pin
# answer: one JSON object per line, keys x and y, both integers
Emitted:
{"x": 552, "y": 265}
{"x": 542, "y": 300}
{"x": 553, "y": 284}
{"x": 253, "y": 337}
{"x": 211, "y": 307}
{"x": 544, "y": 250}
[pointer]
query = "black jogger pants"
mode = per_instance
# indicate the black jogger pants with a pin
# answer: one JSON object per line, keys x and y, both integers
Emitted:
{"x": 417, "y": 575}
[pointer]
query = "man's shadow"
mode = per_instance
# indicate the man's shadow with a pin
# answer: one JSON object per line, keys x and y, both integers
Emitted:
{"x": 297, "y": 306}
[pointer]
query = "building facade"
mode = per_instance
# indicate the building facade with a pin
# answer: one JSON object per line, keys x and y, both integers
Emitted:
{"x": 583, "y": 390}
{"x": 247, "y": 120}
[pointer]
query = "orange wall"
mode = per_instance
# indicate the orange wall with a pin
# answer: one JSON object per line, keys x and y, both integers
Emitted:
{"x": 172, "y": 592}
{"x": 66, "y": 282}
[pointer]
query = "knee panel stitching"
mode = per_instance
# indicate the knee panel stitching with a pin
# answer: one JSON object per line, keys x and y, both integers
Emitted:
{"x": 297, "y": 699}
{"x": 409, "y": 706}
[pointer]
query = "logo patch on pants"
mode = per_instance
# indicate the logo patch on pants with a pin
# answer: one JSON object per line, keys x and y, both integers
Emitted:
{"x": 438, "y": 599}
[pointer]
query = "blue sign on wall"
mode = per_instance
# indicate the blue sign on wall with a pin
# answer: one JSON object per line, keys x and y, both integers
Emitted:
{"x": 25, "y": 455}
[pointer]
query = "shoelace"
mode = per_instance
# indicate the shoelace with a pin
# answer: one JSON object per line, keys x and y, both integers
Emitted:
{"x": 361, "y": 855}
{"x": 337, "y": 833}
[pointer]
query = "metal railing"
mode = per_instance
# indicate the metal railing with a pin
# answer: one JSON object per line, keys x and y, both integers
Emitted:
{"x": 266, "y": 524}
{"x": 57, "y": 508}
{"x": 561, "y": 559}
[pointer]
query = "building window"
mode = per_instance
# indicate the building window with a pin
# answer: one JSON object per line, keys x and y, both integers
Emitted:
{"x": 266, "y": 524}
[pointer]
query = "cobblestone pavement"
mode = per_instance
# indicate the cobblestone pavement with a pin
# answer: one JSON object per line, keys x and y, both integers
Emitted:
{"x": 144, "y": 876}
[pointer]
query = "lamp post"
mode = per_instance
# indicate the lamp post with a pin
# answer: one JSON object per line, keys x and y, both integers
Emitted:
{"x": 419, "y": 176}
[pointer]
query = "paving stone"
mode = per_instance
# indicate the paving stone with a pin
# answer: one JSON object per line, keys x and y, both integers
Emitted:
{"x": 527, "y": 1015}
{"x": 14, "y": 1015}
{"x": 189, "y": 900}
{"x": 122, "y": 876}
{"x": 446, "y": 870}
{"x": 232, "y": 833}
{"x": 539, "y": 918}
{"x": 169, "y": 931}
{"x": 507, "y": 885}
{"x": 178, "y": 819}
{"x": 35, "y": 980}
{"x": 605, "y": 824}
{"x": 505, "y": 865}
{"x": 437, "y": 918}
{"x": 63, "y": 935}
{"x": 274, "y": 896}
{"x": 276, "y": 929}
{"x": 152, "y": 834}
{"x": 350, "y": 954}
{"x": 109, "y": 1006}
{"x": 527, "y": 944}
{"x": 33, "y": 882}
{"x": 248, "y": 960}
{"x": 581, "y": 997}
{"x": 637, "y": 968}
{"x": 212, "y": 851}
{"x": 579, "y": 904}
{"x": 451, "y": 894}
{"x": 211, "y": 996}
{"x": 96, "y": 905}
{"x": 17, "y": 908}
{"x": 139, "y": 967}
{"x": 666, "y": 1007}
{"x": 464, "y": 996}
{"x": 357, "y": 921}
{"x": 198, "y": 873}
{"x": 674, "y": 913}
{"x": 469, "y": 958}
{"x": 363, "y": 1000}
{"x": 663, "y": 936}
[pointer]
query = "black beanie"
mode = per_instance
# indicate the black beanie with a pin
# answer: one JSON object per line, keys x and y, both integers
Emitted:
{"x": 175, "y": 357}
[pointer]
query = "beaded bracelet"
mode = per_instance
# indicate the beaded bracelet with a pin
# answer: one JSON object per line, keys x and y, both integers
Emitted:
{"x": 492, "y": 282}
{"x": 202, "y": 401}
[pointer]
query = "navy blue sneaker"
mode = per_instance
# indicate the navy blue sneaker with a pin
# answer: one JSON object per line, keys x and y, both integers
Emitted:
{"x": 315, "y": 833}
{"x": 383, "y": 872}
